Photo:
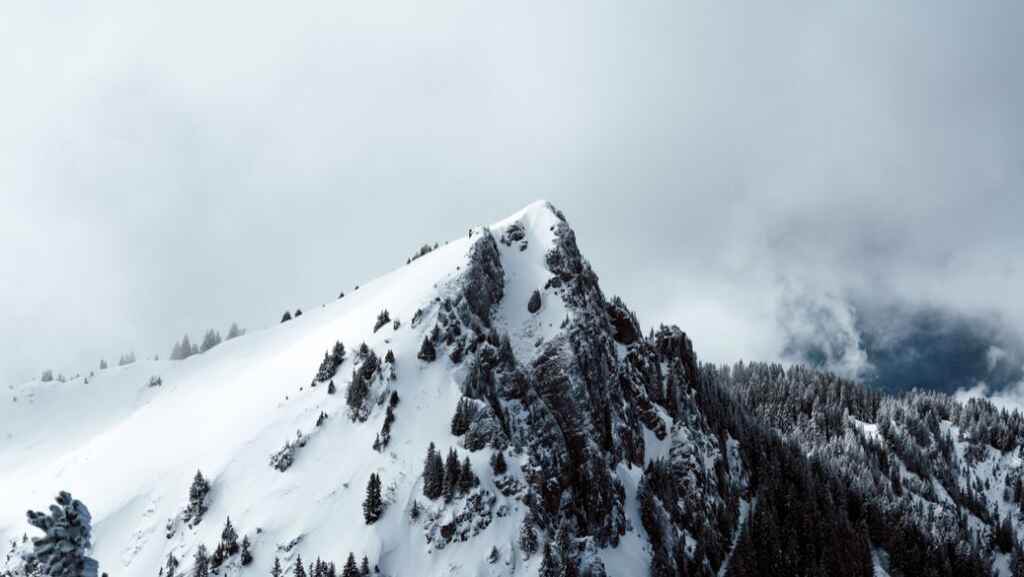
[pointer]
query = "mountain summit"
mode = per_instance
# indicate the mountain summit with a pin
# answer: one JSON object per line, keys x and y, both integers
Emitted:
{"x": 483, "y": 410}
{"x": 498, "y": 341}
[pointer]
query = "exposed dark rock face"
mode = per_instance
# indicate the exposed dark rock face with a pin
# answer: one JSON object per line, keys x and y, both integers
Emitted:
{"x": 534, "y": 304}
{"x": 515, "y": 235}
{"x": 580, "y": 408}
{"x": 484, "y": 279}
{"x": 598, "y": 398}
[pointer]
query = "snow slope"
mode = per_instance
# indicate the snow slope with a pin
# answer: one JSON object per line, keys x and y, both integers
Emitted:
{"x": 130, "y": 451}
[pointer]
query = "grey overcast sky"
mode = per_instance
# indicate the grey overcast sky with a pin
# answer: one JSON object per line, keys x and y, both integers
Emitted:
{"x": 834, "y": 183}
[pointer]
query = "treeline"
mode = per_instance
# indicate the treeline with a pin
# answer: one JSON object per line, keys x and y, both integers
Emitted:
{"x": 809, "y": 421}
{"x": 185, "y": 348}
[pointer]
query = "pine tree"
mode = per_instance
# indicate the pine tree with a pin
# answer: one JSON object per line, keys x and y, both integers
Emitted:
{"x": 414, "y": 511}
{"x": 201, "y": 562}
{"x": 467, "y": 478}
{"x": 549, "y": 565}
{"x": 182, "y": 350}
{"x": 527, "y": 536}
{"x": 433, "y": 474}
{"x": 498, "y": 464}
{"x": 460, "y": 420}
{"x": 427, "y": 351}
{"x": 382, "y": 319}
{"x": 171, "y": 566}
{"x": 299, "y": 570}
{"x": 298, "y": 313}
{"x": 566, "y": 555}
{"x": 331, "y": 389}
{"x": 1004, "y": 537}
{"x": 276, "y": 571}
{"x": 61, "y": 552}
{"x": 287, "y": 316}
{"x": 350, "y": 569}
{"x": 218, "y": 557}
{"x": 103, "y": 364}
{"x": 452, "y": 469}
{"x": 356, "y": 395}
{"x": 246, "y": 553}
{"x": 1017, "y": 562}
{"x": 660, "y": 566}
{"x": 210, "y": 340}
{"x": 364, "y": 567}
{"x": 234, "y": 332}
{"x": 229, "y": 538}
{"x": 373, "y": 505}
{"x": 197, "y": 498}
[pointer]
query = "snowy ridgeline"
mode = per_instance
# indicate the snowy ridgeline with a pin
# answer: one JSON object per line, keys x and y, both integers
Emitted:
{"x": 486, "y": 410}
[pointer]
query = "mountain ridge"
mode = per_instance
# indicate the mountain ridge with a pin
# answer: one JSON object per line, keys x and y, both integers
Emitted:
{"x": 624, "y": 454}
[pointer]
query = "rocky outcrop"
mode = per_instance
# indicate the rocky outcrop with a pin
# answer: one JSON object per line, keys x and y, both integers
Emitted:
{"x": 581, "y": 407}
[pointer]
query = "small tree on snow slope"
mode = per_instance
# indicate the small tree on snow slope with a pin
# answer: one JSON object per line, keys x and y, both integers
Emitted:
{"x": 62, "y": 551}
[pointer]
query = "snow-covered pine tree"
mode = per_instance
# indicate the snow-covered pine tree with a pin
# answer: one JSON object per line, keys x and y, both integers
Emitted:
{"x": 218, "y": 557}
{"x": 356, "y": 395}
{"x": 452, "y": 470}
{"x": 498, "y": 464}
{"x": 373, "y": 505}
{"x": 566, "y": 555}
{"x": 276, "y": 570}
{"x": 350, "y": 569}
{"x": 287, "y": 316}
{"x": 384, "y": 437}
{"x": 210, "y": 340}
{"x": 549, "y": 566}
{"x": 332, "y": 360}
{"x": 364, "y": 567}
{"x": 62, "y": 551}
{"x": 246, "y": 552}
{"x": 234, "y": 332}
{"x": 460, "y": 420}
{"x": 383, "y": 318}
{"x": 331, "y": 389}
{"x": 527, "y": 535}
{"x": 229, "y": 538}
{"x": 103, "y": 364}
{"x": 197, "y": 498}
{"x": 1017, "y": 562}
{"x": 171, "y": 566}
{"x": 299, "y": 570}
{"x": 433, "y": 474}
{"x": 201, "y": 562}
{"x": 467, "y": 478}
{"x": 182, "y": 350}
{"x": 427, "y": 351}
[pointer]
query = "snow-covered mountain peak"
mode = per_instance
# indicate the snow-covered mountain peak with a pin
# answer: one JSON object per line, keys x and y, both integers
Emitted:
{"x": 564, "y": 442}
{"x": 463, "y": 323}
